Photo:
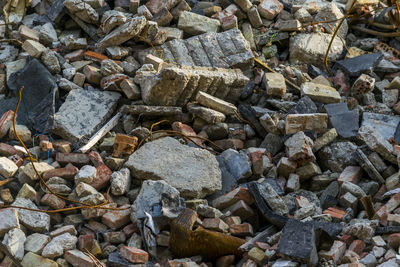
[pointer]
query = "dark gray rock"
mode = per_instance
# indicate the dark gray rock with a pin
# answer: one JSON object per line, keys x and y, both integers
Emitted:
{"x": 115, "y": 260}
{"x": 39, "y": 96}
{"x": 247, "y": 90}
{"x": 331, "y": 191}
{"x": 238, "y": 164}
{"x": 297, "y": 242}
{"x": 344, "y": 121}
{"x": 314, "y": 71}
{"x": 229, "y": 182}
{"x": 249, "y": 114}
{"x": 272, "y": 143}
{"x": 361, "y": 64}
{"x": 304, "y": 106}
{"x": 396, "y": 136}
{"x": 337, "y": 156}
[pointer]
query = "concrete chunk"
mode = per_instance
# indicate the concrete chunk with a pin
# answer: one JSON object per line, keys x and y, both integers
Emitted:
{"x": 311, "y": 48}
{"x": 123, "y": 32}
{"x": 84, "y": 112}
{"x": 195, "y": 24}
{"x": 176, "y": 86}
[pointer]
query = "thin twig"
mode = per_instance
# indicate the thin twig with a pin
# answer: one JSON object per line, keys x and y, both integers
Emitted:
{"x": 334, "y": 35}
{"x": 372, "y": 32}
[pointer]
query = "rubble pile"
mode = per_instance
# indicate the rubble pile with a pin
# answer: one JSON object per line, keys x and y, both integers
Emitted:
{"x": 199, "y": 133}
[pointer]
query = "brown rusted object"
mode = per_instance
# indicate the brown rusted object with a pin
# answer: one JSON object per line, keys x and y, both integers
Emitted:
{"x": 368, "y": 206}
{"x": 185, "y": 242}
{"x": 124, "y": 145}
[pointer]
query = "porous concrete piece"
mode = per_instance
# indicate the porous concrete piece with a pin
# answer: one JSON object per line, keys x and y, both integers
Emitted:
{"x": 151, "y": 194}
{"x": 337, "y": 156}
{"x": 320, "y": 93}
{"x": 7, "y": 167}
{"x": 196, "y": 24}
{"x": 228, "y": 49}
{"x": 376, "y": 142}
{"x": 84, "y": 112}
{"x": 33, "y": 220}
{"x": 175, "y": 86}
{"x": 193, "y": 171}
{"x": 310, "y": 48}
{"x": 331, "y": 12}
{"x": 59, "y": 244}
{"x": 14, "y": 241}
{"x": 120, "y": 182}
{"x": 297, "y": 241}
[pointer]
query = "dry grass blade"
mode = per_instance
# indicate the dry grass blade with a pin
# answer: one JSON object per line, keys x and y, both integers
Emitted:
{"x": 6, "y": 181}
{"x": 96, "y": 261}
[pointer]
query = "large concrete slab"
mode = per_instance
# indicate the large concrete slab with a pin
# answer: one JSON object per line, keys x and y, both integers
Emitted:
{"x": 84, "y": 112}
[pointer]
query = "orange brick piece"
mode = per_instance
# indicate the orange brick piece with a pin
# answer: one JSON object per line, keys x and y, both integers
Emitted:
{"x": 124, "y": 145}
{"x": 95, "y": 56}
{"x": 335, "y": 213}
{"x": 134, "y": 255}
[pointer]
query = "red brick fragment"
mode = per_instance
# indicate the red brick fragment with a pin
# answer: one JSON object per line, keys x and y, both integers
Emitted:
{"x": 6, "y": 122}
{"x": 134, "y": 255}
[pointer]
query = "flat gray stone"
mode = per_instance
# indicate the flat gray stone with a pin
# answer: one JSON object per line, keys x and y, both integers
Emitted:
{"x": 33, "y": 220}
{"x": 193, "y": 171}
{"x": 84, "y": 112}
{"x": 385, "y": 125}
{"x": 195, "y": 24}
{"x": 14, "y": 241}
{"x": 59, "y": 244}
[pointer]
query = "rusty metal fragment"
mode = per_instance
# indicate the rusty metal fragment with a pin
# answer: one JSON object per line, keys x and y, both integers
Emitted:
{"x": 186, "y": 242}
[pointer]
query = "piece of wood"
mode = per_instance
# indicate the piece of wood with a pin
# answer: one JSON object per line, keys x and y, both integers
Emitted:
{"x": 103, "y": 131}
{"x": 153, "y": 110}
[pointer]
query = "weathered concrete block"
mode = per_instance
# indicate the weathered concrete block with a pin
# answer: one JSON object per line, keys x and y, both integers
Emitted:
{"x": 94, "y": 108}
{"x": 175, "y": 86}
{"x": 228, "y": 49}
